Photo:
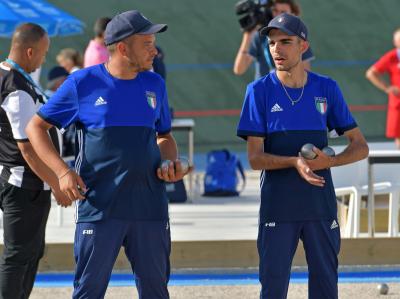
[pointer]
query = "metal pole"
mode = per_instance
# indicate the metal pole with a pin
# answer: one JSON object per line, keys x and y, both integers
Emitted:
{"x": 371, "y": 201}
{"x": 191, "y": 150}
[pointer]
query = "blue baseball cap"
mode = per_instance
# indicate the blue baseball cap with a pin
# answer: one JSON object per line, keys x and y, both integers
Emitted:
{"x": 287, "y": 23}
{"x": 128, "y": 23}
{"x": 57, "y": 72}
{"x": 54, "y": 75}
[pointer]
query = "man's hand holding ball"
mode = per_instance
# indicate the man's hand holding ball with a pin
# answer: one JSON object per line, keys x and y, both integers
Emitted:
{"x": 172, "y": 171}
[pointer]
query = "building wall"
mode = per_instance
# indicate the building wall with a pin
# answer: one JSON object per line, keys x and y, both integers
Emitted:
{"x": 203, "y": 37}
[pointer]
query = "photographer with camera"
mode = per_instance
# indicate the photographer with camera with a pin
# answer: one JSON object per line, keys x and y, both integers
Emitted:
{"x": 254, "y": 47}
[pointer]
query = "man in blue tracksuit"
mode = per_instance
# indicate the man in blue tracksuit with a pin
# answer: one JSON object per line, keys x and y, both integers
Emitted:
{"x": 120, "y": 110}
{"x": 281, "y": 112}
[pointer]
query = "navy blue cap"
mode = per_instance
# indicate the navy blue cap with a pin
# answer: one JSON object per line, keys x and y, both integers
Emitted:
{"x": 128, "y": 23}
{"x": 54, "y": 75}
{"x": 57, "y": 72}
{"x": 287, "y": 23}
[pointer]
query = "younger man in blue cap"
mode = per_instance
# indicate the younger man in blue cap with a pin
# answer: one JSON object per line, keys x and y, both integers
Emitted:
{"x": 123, "y": 125}
{"x": 281, "y": 112}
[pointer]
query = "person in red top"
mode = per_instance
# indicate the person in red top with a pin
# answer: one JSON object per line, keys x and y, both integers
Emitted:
{"x": 389, "y": 63}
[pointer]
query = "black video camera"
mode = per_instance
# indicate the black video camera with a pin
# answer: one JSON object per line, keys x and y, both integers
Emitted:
{"x": 253, "y": 13}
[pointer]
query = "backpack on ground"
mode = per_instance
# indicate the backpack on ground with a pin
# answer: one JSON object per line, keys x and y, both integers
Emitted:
{"x": 222, "y": 174}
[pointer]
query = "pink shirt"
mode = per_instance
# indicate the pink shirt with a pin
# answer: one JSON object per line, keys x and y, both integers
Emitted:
{"x": 95, "y": 54}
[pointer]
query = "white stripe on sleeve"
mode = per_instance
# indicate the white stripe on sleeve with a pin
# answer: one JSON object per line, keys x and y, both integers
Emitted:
{"x": 20, "y": 108}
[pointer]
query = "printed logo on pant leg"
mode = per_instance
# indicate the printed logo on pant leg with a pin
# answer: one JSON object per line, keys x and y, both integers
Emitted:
{"x": 270, "y": 224}
{"x": 334, "y": 224}
{"x": 87, "y": 232}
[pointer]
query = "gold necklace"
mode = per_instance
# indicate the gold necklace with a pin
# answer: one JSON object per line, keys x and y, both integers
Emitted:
{"x": 289, "y": 97}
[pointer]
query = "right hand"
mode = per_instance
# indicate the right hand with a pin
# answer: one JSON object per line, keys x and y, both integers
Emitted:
{"x": 393, "y": 90}
{"x": 252, "y": 31}
{"x": 306, "y": 173}
{"x": 69, "y": 185}
{"x": 61, "y": 198}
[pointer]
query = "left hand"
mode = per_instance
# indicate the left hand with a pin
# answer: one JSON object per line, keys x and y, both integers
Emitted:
{"x": 173, "y": 172}
{"x": 71, "y": 184}
{"x": 321, "y": 161}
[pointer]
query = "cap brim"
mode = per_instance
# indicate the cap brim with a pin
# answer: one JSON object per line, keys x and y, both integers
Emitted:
{"x": 267, "y": 29}
{"x": 155, "y": 28}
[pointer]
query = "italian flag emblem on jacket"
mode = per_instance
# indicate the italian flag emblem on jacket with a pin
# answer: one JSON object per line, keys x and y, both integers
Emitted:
{"x": 321, "y": 104}
{"x": 151, "y": 99}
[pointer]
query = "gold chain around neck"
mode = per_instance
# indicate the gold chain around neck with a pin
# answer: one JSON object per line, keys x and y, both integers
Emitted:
{"x": 288, "y": 95}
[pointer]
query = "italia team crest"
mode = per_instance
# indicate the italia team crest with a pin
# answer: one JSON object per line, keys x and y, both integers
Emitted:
{"x": 151, "y": 99}
{"x": 321, "y": 104}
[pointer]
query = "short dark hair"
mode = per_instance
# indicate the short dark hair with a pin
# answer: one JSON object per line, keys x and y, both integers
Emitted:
{"x": 112, "y": 48}
{"x": 100, "y": 26}
{"x": 27, "y": 34}
{"x": 294, "y": 7}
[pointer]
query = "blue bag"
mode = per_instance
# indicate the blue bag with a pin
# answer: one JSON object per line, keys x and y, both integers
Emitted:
{"x": 221, "y": 178}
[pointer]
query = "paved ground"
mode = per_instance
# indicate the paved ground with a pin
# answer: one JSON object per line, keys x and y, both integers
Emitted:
{"x": 296, "y": 291}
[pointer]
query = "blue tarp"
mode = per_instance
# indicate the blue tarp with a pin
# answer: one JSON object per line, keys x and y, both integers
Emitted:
{"x": 125, "y": 279}
{"x": 54, "y": 20}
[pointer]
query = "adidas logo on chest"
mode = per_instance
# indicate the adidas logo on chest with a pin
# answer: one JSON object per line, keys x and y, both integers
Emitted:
{"x": 276, "y": 108}
{"x": 100, "y": 101}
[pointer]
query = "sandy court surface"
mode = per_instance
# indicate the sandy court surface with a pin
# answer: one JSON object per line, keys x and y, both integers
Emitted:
{"x": 296, "y": 291}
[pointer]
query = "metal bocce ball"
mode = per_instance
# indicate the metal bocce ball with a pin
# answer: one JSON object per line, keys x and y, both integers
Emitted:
{"x": 383, "y": 289}
{"x": 165, "y": 165}
{"x": 327, "y": 150}
{"x": 184, "y": 164}
{"x": 307, "y": 151}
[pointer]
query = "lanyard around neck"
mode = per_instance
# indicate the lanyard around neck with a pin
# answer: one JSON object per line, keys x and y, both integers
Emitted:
{"x": 19, "y": 69}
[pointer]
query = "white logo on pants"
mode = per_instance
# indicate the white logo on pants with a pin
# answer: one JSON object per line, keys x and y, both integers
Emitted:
{"x": 270, "y": 224}
{"x": 334, "y": 224}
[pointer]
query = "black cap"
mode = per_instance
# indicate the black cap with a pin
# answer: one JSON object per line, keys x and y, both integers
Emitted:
{"x": 128, "y": 23}
{"x": 287, "y": 23}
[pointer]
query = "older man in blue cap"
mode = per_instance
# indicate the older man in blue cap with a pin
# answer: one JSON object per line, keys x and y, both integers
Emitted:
{"x": 282, "y": 111}
{"x": 123, "y": 123}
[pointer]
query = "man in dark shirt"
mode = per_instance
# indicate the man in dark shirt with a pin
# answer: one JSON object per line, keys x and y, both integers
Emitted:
{"x": 123, "y": 124}
{"x": 25, "y": 180}
{"x": 284, "y": 110}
